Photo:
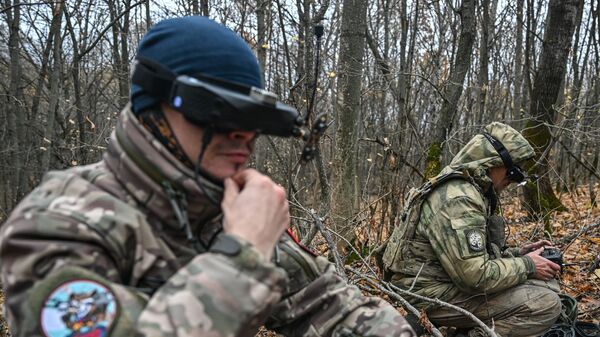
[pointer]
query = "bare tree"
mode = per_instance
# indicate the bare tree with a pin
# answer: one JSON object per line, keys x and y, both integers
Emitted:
{"x": 453, "y": 88}
{"x": 350, "y": 67}
{"x": 15, "y": 186}
{"x": 55, "y": 85}
{"x": 560, "y": 24}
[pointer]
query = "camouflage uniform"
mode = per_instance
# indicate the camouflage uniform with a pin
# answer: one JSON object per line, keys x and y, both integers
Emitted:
{"x": 453, "y": 256}
{"x": 108, "y": 235}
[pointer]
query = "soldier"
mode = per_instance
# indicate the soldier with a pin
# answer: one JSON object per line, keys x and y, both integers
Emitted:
{"x": 450, "y": 247}
{"x": 170, "y": 234}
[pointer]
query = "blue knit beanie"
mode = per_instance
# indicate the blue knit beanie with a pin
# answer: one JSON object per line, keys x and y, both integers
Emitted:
{"x": 196, "y": 44}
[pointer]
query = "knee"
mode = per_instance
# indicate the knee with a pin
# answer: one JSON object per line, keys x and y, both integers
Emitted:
{"x": 546, "y": 308}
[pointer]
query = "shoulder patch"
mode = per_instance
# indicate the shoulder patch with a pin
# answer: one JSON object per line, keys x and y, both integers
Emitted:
{"x": 475, "y": 240}
{"x": 82, "y": 307}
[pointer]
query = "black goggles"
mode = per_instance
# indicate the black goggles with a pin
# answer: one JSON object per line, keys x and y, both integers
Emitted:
{"x": 516, "y": 174}
{"x": 222, "y": 105}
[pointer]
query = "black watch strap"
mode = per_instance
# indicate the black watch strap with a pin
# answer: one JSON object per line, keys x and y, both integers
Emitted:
{"x": 226, "y": 245}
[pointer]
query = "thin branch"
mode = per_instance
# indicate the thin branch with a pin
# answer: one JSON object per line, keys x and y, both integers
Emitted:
{"x": 6, "y": 9}
{"x": 390, "y": 286}
{"x": 101, "y": 35}
{"x": 586, "y": 166}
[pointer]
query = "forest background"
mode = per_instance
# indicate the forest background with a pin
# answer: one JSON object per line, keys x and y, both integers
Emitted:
{"x": 403, "y": 85}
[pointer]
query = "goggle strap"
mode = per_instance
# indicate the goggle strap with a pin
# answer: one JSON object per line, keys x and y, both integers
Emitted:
{"x": 154, "y": 78}
{"x": 502, "y": 151}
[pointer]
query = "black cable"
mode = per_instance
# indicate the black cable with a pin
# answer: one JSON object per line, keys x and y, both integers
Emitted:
{"x": 318, "y": 34}
{"x": 206, "y": 138}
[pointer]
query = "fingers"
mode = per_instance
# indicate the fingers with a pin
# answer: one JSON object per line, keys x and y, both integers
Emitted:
{"x": 230, "y": 192}
{"x": 538, "y": 251}
{"x": 242, "y": 177}
{"x": 554, "y": 266}
{"x": 255, "y": 209}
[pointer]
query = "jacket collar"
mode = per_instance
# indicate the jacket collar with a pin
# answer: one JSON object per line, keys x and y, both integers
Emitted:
{"x": 160, "y": 183}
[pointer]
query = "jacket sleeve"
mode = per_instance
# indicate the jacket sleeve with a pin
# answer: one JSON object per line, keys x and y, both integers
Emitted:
{"x": 317, "y": 302}
{"x": 62, "y": 276}
{"x": 457, "y": 234}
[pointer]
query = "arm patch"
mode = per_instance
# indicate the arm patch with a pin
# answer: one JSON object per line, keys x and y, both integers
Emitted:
{"x": 80, "y": 307}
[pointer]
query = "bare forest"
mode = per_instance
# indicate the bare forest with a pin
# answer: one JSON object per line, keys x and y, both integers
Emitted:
{"x": 403, "y": 84}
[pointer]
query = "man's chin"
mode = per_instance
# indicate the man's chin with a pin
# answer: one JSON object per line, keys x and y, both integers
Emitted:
{"x": 228, "y": 172}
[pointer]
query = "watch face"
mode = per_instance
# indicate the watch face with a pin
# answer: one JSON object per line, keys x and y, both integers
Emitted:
{"x": 475, "y": 240}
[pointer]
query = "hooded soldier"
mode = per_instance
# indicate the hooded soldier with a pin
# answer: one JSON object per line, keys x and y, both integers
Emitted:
{"x": 449, "y": 246}
{"x": 170, "y": 229}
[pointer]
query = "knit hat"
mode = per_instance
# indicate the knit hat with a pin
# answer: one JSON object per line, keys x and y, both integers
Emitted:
{"x": 196, "y": 45}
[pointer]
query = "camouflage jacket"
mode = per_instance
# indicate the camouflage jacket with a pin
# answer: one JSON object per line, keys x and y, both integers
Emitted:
{"x": 99, "y": 251}
{"x": 448, "y": 252}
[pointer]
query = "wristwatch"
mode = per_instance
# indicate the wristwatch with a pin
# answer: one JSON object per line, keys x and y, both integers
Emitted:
{"x": 226, "y": 245}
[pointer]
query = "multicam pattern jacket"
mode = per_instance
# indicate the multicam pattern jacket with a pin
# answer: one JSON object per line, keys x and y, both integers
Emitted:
{"x": 449, "y": 252}
{"x": 99, "y": 251}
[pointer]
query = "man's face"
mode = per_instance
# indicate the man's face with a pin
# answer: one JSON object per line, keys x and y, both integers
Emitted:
{"x": 499, "y": 179}
{"x": 226, "y": 154}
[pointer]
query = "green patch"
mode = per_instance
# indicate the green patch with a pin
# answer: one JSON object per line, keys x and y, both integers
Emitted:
{"x": 434, "y": 165}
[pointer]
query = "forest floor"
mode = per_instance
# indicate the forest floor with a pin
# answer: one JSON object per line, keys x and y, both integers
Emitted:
{"x": 577, "y": 233}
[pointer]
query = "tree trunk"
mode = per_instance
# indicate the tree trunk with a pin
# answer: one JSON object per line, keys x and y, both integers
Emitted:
{"x": 55, "y": 85}
{"x": 79, "y": 111}
{"x": 204, "y": 7}
{"x": 148, "y": 17}
{"x": 262, "y": 29}
{"x": 518, "y": 62}
{"x": 453, "y": 87}
{"x": 484, "y": 43}
{"x": 560, "y": 23}
{"x": 350, "y": 67}
{"x": 14, "y": 116}
{"x": 120, "y": 49}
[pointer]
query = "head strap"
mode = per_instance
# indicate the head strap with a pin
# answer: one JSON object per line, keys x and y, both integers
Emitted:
{"x": 514, "y": 172}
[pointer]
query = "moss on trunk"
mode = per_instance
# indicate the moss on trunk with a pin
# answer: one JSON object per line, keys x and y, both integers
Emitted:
{"x": 434, "y": 164}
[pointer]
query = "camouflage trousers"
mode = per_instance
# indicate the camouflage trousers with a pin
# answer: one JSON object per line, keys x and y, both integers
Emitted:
{"x": 528, "y": 309}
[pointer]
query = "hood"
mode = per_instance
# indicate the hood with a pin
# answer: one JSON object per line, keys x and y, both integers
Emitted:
{"x": 478, "y": 154}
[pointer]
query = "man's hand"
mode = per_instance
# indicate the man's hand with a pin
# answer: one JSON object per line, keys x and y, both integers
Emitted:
{"x": 533, "y": 246}
{"x": 545, "y": 269}
{"x": 255, "y": 209}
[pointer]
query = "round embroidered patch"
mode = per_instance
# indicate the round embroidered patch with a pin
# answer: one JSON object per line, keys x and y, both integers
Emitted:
{"x": 475, "y": 240}
{"x": 82, "y": 308}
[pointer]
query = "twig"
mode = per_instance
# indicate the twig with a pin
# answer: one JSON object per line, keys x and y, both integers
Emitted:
{"x": 594, "y": 265}
{"x": 354, "y": 250}
{"x": 390, "y": 286}
{"x": 430, "y": 327}
{"x": 581, "y": 162}
{"x": 571, "y": 238}
{"x": 336, "y": 256}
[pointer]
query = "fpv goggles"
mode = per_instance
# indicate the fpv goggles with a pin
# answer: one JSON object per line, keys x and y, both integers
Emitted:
{"x": 222, "y": 105}
{"x": 514, "y": 172}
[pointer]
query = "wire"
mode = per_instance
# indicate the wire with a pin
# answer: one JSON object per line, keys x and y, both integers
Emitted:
{"x": 206, "y": 138}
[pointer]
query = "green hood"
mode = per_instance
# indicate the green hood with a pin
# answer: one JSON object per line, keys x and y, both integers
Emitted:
{"x": 478, "y": 154}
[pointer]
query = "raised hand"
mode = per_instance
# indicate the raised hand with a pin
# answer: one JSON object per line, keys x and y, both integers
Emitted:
{"x": 255, "y": 209}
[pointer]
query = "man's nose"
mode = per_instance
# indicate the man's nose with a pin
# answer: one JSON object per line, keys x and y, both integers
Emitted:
{"x": 242, "y": 135}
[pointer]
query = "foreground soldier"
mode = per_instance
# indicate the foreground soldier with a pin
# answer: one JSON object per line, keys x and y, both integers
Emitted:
{"x": 450, "y": 247}
{"x": 169, "y": 235}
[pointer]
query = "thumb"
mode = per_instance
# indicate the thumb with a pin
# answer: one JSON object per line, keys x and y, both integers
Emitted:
{"x": 538, "y": 251}
{"x": 230, "y": 192}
